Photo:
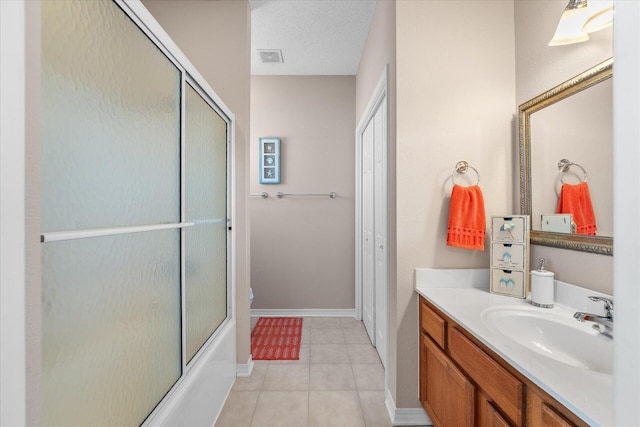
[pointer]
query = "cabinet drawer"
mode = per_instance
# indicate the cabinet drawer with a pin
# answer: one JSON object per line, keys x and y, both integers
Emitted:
{"x": 552, "y": 418}
{"x": 495, "y": 381}
{"x": 544, "y": 411}
{"x": 488, "y": 415}
{"x": 433, "y": 324}
{"x": 508, "y": 282}
{"x": 508, "y": 256}
{"x": 508, "y": 229}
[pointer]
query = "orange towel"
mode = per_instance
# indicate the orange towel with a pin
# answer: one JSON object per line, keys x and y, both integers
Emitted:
{"x": 467, "y": 223}
{"x": 575, "y": 199}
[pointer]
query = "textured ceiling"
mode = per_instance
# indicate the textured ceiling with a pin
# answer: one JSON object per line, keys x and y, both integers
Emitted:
{"x": 316, "y": 37}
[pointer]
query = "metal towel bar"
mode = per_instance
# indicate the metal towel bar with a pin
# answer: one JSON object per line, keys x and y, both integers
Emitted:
{"x": 564, "y": 165}
{"x": 462, "y": 168}
{"x": 281, "y": 195}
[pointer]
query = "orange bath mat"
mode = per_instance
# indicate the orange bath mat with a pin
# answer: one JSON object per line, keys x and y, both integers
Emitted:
{"x": 276, "y": 338}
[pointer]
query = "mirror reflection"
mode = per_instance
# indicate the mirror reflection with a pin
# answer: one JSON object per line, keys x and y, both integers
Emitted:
{"x": 578, "y": 129}
{"x": 566, "y": 162}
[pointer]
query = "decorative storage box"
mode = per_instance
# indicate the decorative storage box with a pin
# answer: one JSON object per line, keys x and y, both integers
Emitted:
{"x": 510, "y": 255}
{"x": 507, "y": 256}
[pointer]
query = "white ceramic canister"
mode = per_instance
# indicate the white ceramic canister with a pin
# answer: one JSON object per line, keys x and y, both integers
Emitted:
{"x": 542, "y": 286}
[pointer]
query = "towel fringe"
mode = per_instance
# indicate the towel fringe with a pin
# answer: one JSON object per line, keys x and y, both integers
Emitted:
{"x": 465, "y": 238}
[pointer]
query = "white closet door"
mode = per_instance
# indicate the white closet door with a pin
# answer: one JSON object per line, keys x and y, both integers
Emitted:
{"x": 368, "y": 232}
{"x": 380, "y": 229}
{"x": 371, "y": 241}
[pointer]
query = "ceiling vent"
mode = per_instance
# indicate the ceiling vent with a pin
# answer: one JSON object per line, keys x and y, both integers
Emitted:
{"x": 272, "y": 56}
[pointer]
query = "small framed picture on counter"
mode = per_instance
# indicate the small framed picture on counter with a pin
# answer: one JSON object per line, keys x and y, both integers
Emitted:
{"x": 269, "y": 161}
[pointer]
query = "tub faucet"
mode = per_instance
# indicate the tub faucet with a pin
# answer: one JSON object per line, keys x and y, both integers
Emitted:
{"x": 604, "y": 324}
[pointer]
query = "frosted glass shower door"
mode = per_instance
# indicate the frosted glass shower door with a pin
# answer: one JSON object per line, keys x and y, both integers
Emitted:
{"x": 206, "y": 206}
{"x": 110, "y": 327}
{"x": 111, "y": 121}
{"x": 110, "y": 137}
{"x": 134, "y": 210}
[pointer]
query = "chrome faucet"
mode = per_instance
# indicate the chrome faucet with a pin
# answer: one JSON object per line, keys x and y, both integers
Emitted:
{"x": 604, "y": 324}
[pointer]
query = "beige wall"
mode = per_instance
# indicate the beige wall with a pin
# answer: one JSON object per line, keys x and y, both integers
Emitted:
{"x": 455, "y": 95}
{"x": 379, "y": 51}
{"x": 303, "y": 248}
{"x": 215, "y": 36}
{"x": 539, "y": 68}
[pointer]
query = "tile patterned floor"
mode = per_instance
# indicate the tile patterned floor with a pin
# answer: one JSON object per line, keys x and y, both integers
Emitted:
{"x": 338, "y": 381}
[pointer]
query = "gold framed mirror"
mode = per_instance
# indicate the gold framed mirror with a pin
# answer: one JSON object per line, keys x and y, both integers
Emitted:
{"x": 547, "y": 140}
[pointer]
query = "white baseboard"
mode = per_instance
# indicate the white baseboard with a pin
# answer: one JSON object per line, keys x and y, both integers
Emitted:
{"x": 306, "y": 312}
{"x": 406, "y": 416}
{"x": 244, "y": 370}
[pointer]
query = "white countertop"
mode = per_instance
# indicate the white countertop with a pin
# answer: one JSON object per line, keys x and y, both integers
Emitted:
{"x": 462, "y": 295}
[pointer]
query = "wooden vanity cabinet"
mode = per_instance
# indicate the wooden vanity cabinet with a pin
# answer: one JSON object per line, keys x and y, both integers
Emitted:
{"x": 456, "y": 406}
{"x": 543, "y": 410}
{"x": 488, "y": 415}
{"x": 463, "y": 383}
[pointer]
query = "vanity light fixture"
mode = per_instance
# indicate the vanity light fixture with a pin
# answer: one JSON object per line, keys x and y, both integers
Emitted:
{"x": 580, "y": 18}
{"x": 600, "y": 15}
{"x": 570, "y": 26}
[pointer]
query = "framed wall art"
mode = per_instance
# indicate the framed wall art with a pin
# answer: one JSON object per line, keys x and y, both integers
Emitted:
{"x": 269, "y": 161}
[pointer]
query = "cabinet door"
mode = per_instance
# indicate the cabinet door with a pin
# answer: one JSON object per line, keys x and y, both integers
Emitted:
{"x": 542, "y": 412}
{"x": 504, "y": 389}
{"x": 448, "y": 396}
{"x": 551, "y": 417}
{"x": 488, "y": 415}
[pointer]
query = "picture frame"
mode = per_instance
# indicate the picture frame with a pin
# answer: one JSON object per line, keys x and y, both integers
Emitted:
{"x": 269, "y": 161}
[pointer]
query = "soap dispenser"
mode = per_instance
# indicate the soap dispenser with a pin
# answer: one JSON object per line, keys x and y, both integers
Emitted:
{"x": 542, "y": 286}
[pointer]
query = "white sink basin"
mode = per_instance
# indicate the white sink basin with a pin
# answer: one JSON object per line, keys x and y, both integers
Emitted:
{"x": 555, "y": 334}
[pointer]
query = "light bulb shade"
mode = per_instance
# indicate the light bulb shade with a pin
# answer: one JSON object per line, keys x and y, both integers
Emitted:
{"x": 580, "y": 18}
{"x": 600, "y": 15}
{"x": 570, "y": 27}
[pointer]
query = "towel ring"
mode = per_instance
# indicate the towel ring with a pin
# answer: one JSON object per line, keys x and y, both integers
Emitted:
{"x": 564, "y": 165}
{"x": 462, "y": 168}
